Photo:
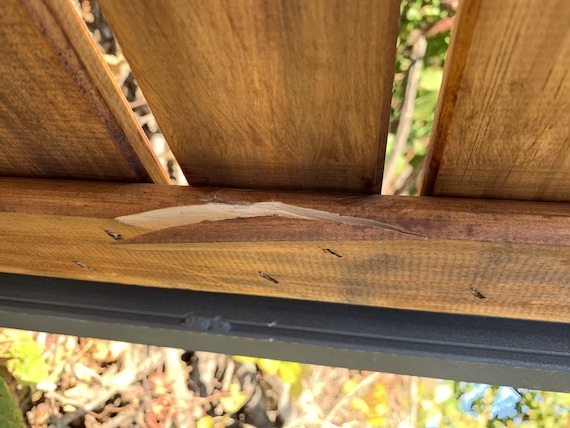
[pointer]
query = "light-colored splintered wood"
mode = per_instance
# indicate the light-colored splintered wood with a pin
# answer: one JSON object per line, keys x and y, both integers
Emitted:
{"x": 502, "y": 127}
{"x": 61, "y": 113}
{"x": 288, "y": 94}
{"x": 479, "y": 257}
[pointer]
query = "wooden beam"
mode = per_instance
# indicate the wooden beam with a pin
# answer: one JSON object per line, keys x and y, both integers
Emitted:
{"x": 501, "y": 128}
{"x": 286, "y": 94}
{"x": 62, "y": 114}
{"x": 499, "y": 258}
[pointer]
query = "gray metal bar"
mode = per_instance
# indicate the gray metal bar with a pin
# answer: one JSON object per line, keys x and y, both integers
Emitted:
{"x": 481, "y": 349}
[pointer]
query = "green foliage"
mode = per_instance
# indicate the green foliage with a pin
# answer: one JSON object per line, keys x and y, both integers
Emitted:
{"x": 417, "y": 17}
{"x": 235, "y": 400}
{"x": 445, "y": 406}
{"x": 543, "y": 409}
{"x": 10, "y": 414}
{"x": 374, "y": 405}
{"x": 23, "y": 357}
{"x": 440, "y": 407}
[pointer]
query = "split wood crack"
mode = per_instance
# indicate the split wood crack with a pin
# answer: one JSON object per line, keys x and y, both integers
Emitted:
{"x": 214, "y": 211}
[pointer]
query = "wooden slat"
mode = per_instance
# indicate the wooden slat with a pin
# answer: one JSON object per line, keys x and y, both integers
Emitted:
{"x": 61, "y": 113}
{"x": 516, "y": 254}
{"x": 267, "y": 94}
{"x": 502, "y": 127}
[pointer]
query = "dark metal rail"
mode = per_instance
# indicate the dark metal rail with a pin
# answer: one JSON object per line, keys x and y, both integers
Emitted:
{"x": 481, "y": 349}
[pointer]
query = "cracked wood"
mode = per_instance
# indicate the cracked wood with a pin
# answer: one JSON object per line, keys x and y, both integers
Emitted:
{"x": 515, "y": 254}
{"x": 216, "y": 211}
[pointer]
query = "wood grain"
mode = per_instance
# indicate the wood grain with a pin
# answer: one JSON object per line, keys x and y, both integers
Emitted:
{"x": 501, "y": 129}
{"x": 517, "y": 254}
{"x": 62, "y": 115}
{"x": 515, "y": 222}
{"x": 287, "y": 94}
{"x": 265, "y": 229}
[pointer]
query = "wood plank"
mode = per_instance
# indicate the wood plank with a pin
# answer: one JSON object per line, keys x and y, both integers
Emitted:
{"x": 501, "y": 129}
{"x": 283, "y": 94}
{"x": 62, "y": 114}
{"x": 515, "y": 254}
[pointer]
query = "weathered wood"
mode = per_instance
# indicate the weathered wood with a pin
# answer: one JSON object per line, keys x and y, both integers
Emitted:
{"x": 442, "y": 218}
{"x": 515, "y": 254}
{"x": 501, "y": 129}
{"x": 288, "y": 94}
{"x": 62, "y": 115}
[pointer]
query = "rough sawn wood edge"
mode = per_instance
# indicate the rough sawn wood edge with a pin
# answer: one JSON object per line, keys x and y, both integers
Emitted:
{"x": 495, "y": 258}
{"x": 79, "y": 56}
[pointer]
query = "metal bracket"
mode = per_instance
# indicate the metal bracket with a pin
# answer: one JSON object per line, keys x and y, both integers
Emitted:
{"x": 481, "y": 349}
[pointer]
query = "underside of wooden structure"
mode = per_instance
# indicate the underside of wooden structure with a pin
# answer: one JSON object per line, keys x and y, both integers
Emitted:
{"x": 279, "y": 121}
{"x": 399, "y": 252}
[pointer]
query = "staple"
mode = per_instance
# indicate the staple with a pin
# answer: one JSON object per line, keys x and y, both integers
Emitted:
{"x": 81, "y": 265}
{"x": 114, "y": 235}
{"x": 264, "y": 275}
{"x": 331, "y": 252}
{"x": 476, "y": 293}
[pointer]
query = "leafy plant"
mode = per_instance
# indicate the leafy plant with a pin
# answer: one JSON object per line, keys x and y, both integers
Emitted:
{"x": 22, "y": 356}
{"x": 10, "y": 414}
{"x": 235, "y": 400}
{"x": 464, "y": 405}
{"x": 426, "y": 23}
{"x": 374, "y": 405}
